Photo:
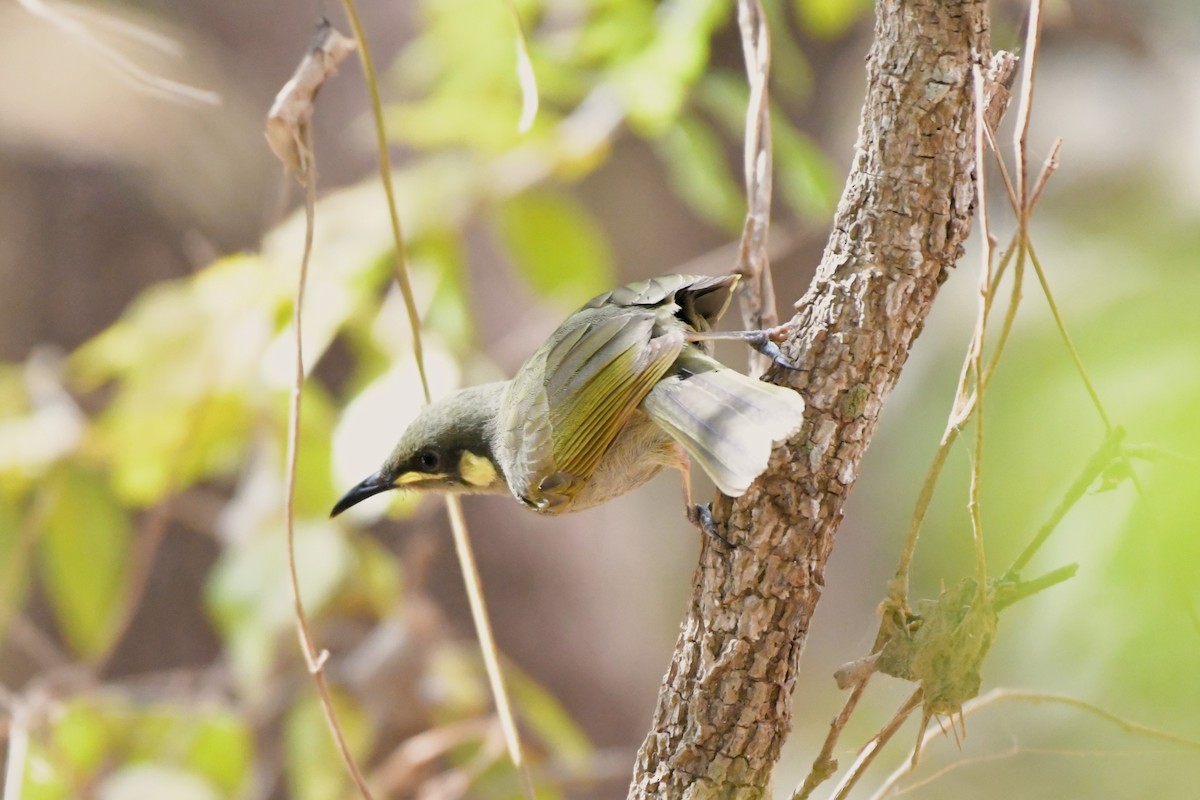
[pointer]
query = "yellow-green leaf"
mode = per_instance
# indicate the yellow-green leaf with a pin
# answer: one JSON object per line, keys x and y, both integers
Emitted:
{"x": 826, "y": 19}
{"x": 84, "y": 552}
{"x": 556, "y": 244}
{"x": 700, "y": 174}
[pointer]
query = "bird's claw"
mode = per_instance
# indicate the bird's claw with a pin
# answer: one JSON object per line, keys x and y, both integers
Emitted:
{"x": 763, "y": 342}
{"x": 701, "y": 516}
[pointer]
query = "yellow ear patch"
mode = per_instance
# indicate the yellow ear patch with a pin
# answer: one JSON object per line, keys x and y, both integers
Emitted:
{"x": 477, "y": 471}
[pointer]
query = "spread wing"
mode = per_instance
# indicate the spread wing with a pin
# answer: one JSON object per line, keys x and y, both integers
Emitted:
{"x": 572, "y": 398}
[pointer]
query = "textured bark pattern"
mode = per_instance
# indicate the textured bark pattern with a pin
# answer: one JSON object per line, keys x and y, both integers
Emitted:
{"x": 725, "y": 705}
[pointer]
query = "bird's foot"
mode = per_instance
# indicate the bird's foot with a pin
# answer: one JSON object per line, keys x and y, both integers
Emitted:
{"x": 701, "y": 516}
{"x": 765, "y": 342}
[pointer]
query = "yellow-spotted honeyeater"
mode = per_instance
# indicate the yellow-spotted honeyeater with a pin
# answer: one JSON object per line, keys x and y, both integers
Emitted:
{"x": 624, "y": 387}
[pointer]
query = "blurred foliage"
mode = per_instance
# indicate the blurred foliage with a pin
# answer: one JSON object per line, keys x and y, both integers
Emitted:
{"x": 1123, "y": 632}
{"x": 184, "y": 400}
{"x": 124, "y": 750}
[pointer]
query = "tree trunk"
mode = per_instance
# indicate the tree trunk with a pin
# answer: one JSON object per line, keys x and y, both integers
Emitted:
{"x": 725, "y": 705}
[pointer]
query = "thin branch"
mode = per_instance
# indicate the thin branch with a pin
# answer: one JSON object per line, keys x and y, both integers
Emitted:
{"x": 825, "y": 765}
{"x": 987, "y": 243}
{"x": 389, "y": 189}
{"x": 487, "y": 642}
{"x": 1025, "y": 106}
{"x": 959, "y": 412}
{"x": 1014, "y": 302}
{"x": 1066, "y": 337}
{"x": 1004, "y": 695}
{"x": 758, "y": 291}
{"x": 1009, "y": 753}
{"x": 877, "y": 742}
{"x": 400, "y": 771}
{"x": 1002, "y": 168}
{"x": 1014, "y": 593}
{"x": 1108, "y": 452}
{"x": 1048, "y": 168}
{"x": 124, "y": 68}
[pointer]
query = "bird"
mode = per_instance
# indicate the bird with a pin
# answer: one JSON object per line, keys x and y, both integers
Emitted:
{"x": 626, "y": 386}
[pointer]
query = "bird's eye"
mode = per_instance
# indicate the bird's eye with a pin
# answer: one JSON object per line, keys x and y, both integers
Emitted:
{"x": 428, "y": 460}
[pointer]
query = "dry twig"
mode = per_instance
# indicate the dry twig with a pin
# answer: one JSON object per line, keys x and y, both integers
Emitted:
{"x": 290, "y": 136}
{"x": 758, "y": 290}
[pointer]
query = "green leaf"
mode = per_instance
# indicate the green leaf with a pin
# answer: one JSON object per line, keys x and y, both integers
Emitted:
{"x": 556, "y": 244}
{"x": 82, "y": 738}
{"x": 804, "y": 175}
{"x": 313, "y": 471}
{"x": 827, "y": 19}
{"x": 700, "y": 174}
{"x": 655, "y": 83}
{"x": 473, "y": 101}
{"x": 157, "y": 443}
{"x": 314, "y": 767}
{"x": 440, "y": 254}
{"x": 14, "y": 561}
{"x": 222, "y": 751}
{"x": 84, "y": 549}
{"x": 455, "y": 683}
{"x": 542, "y": 712}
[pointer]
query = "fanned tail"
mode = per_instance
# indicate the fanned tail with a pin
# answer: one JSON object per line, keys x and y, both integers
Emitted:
{"x": 727, "y": 422}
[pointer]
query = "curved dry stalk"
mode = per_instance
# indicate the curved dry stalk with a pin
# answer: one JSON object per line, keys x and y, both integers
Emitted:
{"x": 462, "y": 541}
{"x": 313, "y": 659}
{"x": 825, "y": 765}
{"x": 290, "y": 136}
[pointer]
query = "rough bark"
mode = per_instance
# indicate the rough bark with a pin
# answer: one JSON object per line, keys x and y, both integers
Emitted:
{"x": 725, "y": 706}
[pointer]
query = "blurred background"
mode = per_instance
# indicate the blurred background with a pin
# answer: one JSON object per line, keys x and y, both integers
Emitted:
{"x": 148, "y": 251}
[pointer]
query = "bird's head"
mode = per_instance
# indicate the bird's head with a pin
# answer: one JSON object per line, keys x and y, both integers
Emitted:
{"x": 447, "y": 448}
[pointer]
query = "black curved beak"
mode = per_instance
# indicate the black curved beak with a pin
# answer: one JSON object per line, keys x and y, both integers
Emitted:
{"x": 371, "y": 485}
